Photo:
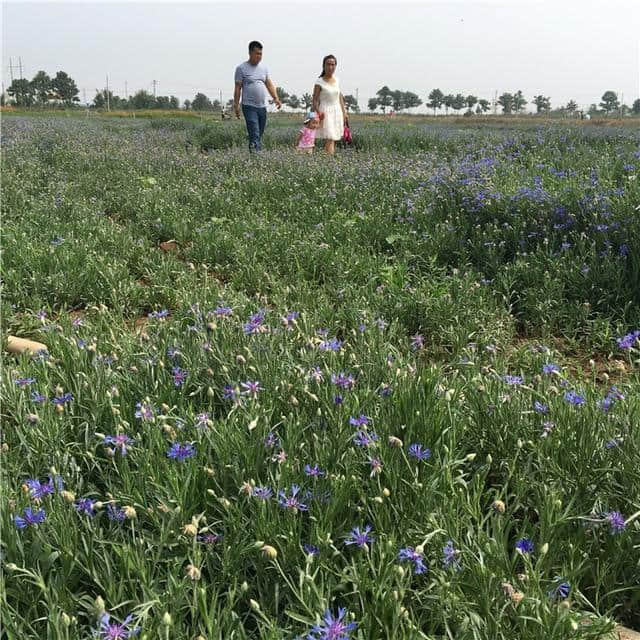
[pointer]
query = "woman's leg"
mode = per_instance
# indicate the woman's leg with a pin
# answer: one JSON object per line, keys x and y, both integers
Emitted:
{"x": 330, "y": 147}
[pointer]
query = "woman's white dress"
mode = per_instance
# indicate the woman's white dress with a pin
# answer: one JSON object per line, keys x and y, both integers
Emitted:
{"x": 332, "y": 126}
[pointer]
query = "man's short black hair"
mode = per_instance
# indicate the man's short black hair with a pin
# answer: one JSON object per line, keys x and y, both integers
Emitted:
{"x": 254, "y": 44}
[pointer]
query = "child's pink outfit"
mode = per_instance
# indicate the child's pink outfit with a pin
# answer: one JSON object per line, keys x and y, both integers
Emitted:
{"x": 308, "y": 139}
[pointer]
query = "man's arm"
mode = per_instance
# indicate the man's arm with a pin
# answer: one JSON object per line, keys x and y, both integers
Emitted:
{"x": 272, "y": 92}
{"x": 236, "y": 98}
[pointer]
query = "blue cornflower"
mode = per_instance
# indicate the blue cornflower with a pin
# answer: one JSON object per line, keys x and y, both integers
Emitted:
{"x": 201, "y": 419}
{"x": 316, "y": 374}
{"x": 63, "y": 399}
{"x": 115, "y": 514}
{"x": 181, "y": 452}
{"x": 223, "y": 311}
{"x": 251, "y": 388}
{"x": 37, "y": 397}
{"x": 290, "y": 319}
{"x": 513, "y": 380}
{"x": 628, "y": 341}
{"x": 264, "y": 493}
{"x": 29, "y": 518}
{"x": 385, "y": 390}
{"x": 560, "y": 591}
{"x": 86, "y": 506}
{"x": 163, "y": 313}
{"x": 332, "y": 628}
{"x": 613, "y": 443}
{"x": 343, "y": 381}
{"x": 550, "y": 367}
{"x": 173, "y": 353}
{"x": 230, "y": 393}
{"x": 360, "y": 421}
{"x": 255, "y": 324}
{"x": 314, "y": 471}
{"x": 616, "y": 522}
{"x": 330, "y": 345}
{"x": 144, "y": 411}
{"x": 40, "y": 490}
{"x": 109, "y": 630}
{"x": 338, "y": 400}
{"x": 450, "y": 556}
{"x": 417, "y": 342}
{"x": 291, "y": 502}
{"x": 179, "y": 376}
{"x": 120, "y": 441}
{"x": 360, "y": 538}
{"x": 524, "y": 546}
{"x": 24, "y": 382}
{"x": 311, "y": 549}
{"x": 574, "y": 398}
{"x": 416, "y": 451}
{"x": 409, "y": 554}
{"x": 271, "y": 440}
{"x": 540, "y": 407}
{"x": 209, "y": 538}
{"x": 364, "y": 439}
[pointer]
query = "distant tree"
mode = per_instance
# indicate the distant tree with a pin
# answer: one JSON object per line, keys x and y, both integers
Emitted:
{"x": 411, "y": 100}
{"x": 459, "y": 102}
{"x": 351, "y": 104}
{"x": 174, "y": 102}
{"x": 187, "y": 105}
{"x": 385, "y": 98}
{"x": 519, "y": 101}
{"x": 64, "y": 89}
{"x": 143, "y": 100}
{"x": 447, "y": 101}
{"x": 100, "y": 99}
{"x": 470, "y": 101}
{"x": 216, "y": 105}
{"x": 372, "y": 104}
{"x": 229, "y": 105}
{"x": 506, "y": 102}
{"x": 201, "y": 103}
{"x": 543, "y": 103}
{"x": 436, "y": 98}
{"x": 635, "y": 109}
{"x": 162, "y": 102}
{"x": 610, "y": 101}
{"x": 397, "y": 100}
{"x": 21, "y": 90}
{"x": 593, "y": 109}
{"x": 293, "y": 101}
{"x": 307, "y": 101}
{"x": 283, "y": 96}
{"x": 572, "y": 107}
{"x": 42, "y": 89}
{"x": 484, "y": 105}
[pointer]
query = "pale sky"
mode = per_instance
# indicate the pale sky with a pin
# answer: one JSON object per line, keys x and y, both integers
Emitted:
{"x": 564, "y": 49}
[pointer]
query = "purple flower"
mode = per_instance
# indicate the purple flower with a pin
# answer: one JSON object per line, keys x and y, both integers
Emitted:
{"x": 29, "y": 518}
{"x": 540, "y": 407}
{"x": 628, "y": 341}
{"x": 560, "y": 592}
{"x": 251, "y": 388}
{"x": 343, "y": 381}
{"x": 524, "y": 546}
{"x": 450, "y": 556}
{"x": 179, "y": 376}
{"x": 271, "y": 440}
{"x": 416, "y": 451}
{"x": 311, "y": 549}
{"x": 409, "y": 554}
{"x": 144, "y": 411}
{"x": 255, "y": 324}
{"x": 360, "y": 538}
{"x": 120, "y": 441}
{"x": 290, "y": 319}
{"x": 361, "y": 421}
{"x": 616, "y": 522}
{"x": 40, "y": 490}
{"x": 574, "y": 398}
{"x": 291, "y": 501}
{"x": 330, "y": 345}
{"x": 230, "y": 393}
{"x": 417, "y": 342}
{"x": 86, "y": 506}
{"x": 316, "y": 374}
{"x": 37, "y": 397}
{"x": 550, "y": 367}
{"x": 209, "y": 538}
{"x": 314, "y": 471}
{"x": 385, "y": 390}
{"x": 109, "y": 630}
{"x": 223, "y": 311}
{"x": 163, "y": 313}
{"x": 376, "y": 466}
{"x": 264, "y": 493}
{"x": 364, "y": 439}
{"x": 181, "y": 452}
{"x": 513, "y": 380}
{"x": 115, "y": 514}
{"x": 24, "y": 382}
{"x": 201, "y": 419}
{"x": 332, "y": 628}
{"x": 63, "y": 399}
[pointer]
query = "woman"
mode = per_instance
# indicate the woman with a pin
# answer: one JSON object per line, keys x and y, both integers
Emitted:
{"x": 328, "y": 101}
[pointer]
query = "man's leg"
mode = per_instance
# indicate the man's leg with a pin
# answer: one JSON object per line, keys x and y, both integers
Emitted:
{"x": 262, "y": 123}
{"x": 253, "y": 127}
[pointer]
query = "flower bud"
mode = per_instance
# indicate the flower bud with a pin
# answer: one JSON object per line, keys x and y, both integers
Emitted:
{"x": 254, "y": 605}
{"x": 269, "y": 552}
{"x": 66, "y": 620}
{"x": 544, "y": 548}
{"x": 193, "y": 572}
{"x": 395, "y": 442}
{"x": 498, "y": 506}
{"x": 98, "y": 606}
{"x": 190, "y": 530}
{"x": 244, "y": 587}
{"x": 167, "y": 620}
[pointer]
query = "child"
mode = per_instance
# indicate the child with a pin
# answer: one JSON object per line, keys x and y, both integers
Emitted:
{"x": 307, "y": 137}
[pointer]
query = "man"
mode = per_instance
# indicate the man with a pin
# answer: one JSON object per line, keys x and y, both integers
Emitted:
{"x": 253, "y": 81}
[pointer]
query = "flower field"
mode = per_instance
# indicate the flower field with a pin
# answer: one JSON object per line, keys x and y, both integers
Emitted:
{"x": 391, "y": 394}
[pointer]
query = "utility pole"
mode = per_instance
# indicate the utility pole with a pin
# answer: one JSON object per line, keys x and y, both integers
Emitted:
{"x": 20, "y": 63}
{"x": 495, "y": 103}
{"x": 155, "y": 82}
{"x": 11, "y": 70}
{"x": 126, "y": 94}
{"x": 84, "y": 96}
{"x": 357, "y": 93}
{"x": 107, "y": 94}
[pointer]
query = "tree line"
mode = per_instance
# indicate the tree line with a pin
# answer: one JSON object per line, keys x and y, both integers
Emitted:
{"x": 43, "y": 90}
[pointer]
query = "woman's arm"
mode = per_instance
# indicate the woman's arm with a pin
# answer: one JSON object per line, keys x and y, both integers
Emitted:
{"x": 315, "y": 103}
{"x": 345, "y": 117}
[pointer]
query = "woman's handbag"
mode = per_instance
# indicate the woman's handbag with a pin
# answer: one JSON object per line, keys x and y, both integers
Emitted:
{"x": 346, "y": 134}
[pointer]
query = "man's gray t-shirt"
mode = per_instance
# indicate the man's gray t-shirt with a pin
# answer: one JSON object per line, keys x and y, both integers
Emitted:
{"x": 253, "y": 78}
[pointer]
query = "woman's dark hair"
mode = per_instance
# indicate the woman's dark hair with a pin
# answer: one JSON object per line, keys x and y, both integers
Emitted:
{"x": 324, "y": 60}
{"x": 254, "y": 44}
